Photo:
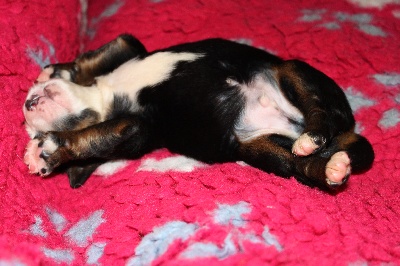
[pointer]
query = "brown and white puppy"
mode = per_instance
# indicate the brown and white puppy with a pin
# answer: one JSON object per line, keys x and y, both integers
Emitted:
{"x": 213, "y": 100}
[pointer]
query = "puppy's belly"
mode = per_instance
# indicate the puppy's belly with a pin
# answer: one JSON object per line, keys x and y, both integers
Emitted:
{"x": 267, "y": 111}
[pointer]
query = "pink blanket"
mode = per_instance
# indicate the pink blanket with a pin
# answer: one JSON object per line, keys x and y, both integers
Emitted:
{"x": 166, "y": 209}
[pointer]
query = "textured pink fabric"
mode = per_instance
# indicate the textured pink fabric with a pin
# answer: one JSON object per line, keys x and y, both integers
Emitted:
{"x": 165, "y": 209}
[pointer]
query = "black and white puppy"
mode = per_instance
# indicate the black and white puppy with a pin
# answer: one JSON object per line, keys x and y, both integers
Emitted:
{"x": 213, "y": 100}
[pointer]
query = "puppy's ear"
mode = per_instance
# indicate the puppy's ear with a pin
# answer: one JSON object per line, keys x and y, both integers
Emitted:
{"x": 78, "y": 175}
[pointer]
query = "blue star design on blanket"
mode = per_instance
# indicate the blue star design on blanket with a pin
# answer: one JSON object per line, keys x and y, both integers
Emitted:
{"x": 390, "y": 118}
{"x": 333, "y": 21}
{"x": 79, "y": 234}
{"x": 156, "y": 243}
{"x": 109, "y": 11}
{"x": 357, "y": 100}
{"x": 390, "y": 79}
{"x": 40, "y": 56}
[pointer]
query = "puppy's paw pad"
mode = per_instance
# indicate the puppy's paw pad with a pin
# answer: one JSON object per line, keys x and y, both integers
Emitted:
{"x": 32, "y": 157}
{"x": 37, "y": 152}
{"x": 307, "y": 143}
{"x": 338, "y": 169}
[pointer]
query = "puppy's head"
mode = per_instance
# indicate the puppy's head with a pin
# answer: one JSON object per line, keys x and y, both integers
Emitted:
{"x": 57, "y": 105}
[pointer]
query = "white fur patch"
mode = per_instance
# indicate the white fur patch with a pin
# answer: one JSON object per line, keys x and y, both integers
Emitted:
{"x": 136, "y": 74}
{"x": 176, "y": 163}
{"x": 266, "y": 112}
{"x": 49, "y": 146}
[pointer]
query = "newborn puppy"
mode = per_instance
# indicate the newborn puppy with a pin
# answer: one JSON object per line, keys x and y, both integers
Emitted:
{"x": 213, "y": 100}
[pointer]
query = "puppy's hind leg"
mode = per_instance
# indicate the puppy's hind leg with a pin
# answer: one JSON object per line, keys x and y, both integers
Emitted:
{"x": 270, "y": 153}
{"x": 321, "y": 101}
{"x": 86, "y": 67}
{"x": 331, "y": 166}
{"x": 358, "y": 150}
{"x": 327, "y": 169}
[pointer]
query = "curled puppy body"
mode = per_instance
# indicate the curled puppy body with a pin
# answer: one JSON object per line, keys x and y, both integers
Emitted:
{"x": 213, "y": 100}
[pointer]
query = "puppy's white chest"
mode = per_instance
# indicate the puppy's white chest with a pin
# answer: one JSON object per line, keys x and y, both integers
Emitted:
{"x": 266, "y": 111}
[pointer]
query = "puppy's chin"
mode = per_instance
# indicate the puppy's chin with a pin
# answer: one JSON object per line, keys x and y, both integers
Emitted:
{"x": 32, "y": 132}
{"x": 44, "y": 118}
{"x": 36, "y": 127}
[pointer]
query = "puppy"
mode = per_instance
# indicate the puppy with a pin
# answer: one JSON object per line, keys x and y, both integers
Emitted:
{"x": 213, "y": 100}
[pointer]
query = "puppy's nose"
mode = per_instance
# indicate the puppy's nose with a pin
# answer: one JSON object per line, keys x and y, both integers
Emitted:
{"x": 29, "y": 104}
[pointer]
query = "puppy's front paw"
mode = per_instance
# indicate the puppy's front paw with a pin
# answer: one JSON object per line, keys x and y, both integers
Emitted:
{"x": 32, "y": 157}
{"x": 338, "y": 169}
{"x": 38, "y": 154}
{"x": 45, "y": 74}
{"x": 308, "y": 143}
{"x": 65, "y": 71}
